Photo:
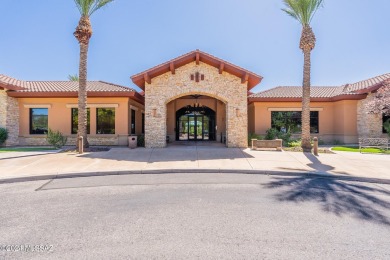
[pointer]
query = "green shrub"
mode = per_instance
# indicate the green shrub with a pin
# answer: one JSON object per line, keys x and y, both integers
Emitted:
{"x": 56, "y": 139}
{"x": 298, "y": 142}
{"x": 295, "y": 143}
{"x": 3, "y": 135}
{"x": 273, "y": 133}
{"x": 141, "y": 141}
{"x": 253, "y": 136}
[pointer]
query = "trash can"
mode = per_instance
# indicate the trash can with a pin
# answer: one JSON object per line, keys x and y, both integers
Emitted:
{"x": 133, "y": 141}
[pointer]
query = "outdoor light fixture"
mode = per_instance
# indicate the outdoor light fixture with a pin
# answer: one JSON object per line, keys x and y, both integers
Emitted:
{"x": 196, "y": 108}
{"x": 154, "y": 112}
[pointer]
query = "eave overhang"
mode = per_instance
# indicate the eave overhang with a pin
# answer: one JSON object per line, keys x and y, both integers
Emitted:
{"x": 317, "y": 99}
{"x": 197, "y": 56}
{"x": 74, "y": 94}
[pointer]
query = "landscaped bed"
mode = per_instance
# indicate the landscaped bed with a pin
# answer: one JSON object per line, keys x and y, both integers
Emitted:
{"x": 355, "y": 149}
{"x": 25, "y": 149}
{"x": 299, "y": 149}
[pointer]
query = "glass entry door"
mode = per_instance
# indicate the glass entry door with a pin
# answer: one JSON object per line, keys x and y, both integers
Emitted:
{"x": 193, "y": 127}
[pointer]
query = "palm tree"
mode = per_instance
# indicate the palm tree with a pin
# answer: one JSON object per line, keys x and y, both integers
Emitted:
{"x": 74, "y": 77}
{"x": 83, "y": 33}
{"x": 304, "y": 11}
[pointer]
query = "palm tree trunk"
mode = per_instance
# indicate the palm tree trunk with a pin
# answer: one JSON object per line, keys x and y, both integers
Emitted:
{"x": 306, "y": 145}
{"x": 82, "y": 104}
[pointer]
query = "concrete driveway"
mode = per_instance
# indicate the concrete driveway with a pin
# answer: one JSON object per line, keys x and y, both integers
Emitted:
{"x": 194, "y": 159}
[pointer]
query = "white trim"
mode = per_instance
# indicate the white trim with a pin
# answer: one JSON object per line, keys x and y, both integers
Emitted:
{"x": 37, "y": 105}
{"x": 293, "y": 109}
{"x": 93, "y": 105}
{"x": 134, "y": 108}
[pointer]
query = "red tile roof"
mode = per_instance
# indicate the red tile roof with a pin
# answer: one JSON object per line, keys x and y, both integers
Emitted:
{"x": 59, "y": 86}
{"x": 251, "y": 78}
{"x": 73, "y": 86}
{"x": 65, "y": 89}
{"x": 348, "y": 91}
{"x": 295, "y": 92}
{"x": 11, "y": 83}
{"x": 366, "y": 85}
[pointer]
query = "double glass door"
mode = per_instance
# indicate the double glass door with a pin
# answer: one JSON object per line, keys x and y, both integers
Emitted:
{"x": 194, "y": 127}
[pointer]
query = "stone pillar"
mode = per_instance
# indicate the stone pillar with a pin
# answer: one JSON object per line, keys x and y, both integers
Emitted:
{"x": 369, "y": 125}
{"x": 3, "y": 108}
{"x": 155, "y": 122}
{"x": 9, "y": 117}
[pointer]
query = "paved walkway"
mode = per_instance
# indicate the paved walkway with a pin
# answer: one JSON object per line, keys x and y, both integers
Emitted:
{"x": 179, "y": 158}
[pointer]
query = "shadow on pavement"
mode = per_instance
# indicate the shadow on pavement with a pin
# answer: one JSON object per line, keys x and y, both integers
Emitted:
{"x": 316, "y": 164}
{"x": 335, "y": 196}
{"x": 170, "y": 154}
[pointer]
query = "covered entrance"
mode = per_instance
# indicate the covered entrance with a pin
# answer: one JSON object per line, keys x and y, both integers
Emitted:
{"x": 195, "y": 126}
{"x": 220, "y": 113}
{"x": 195, "y": 118}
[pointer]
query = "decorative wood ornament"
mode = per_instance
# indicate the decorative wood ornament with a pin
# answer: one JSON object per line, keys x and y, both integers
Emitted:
{"x": 197, "y": 77}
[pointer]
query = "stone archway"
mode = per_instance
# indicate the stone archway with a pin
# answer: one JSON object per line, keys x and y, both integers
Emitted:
{"x": 196, "y": 73}
{"x": 167, "y": 87}
{"x": 208, "y": 119}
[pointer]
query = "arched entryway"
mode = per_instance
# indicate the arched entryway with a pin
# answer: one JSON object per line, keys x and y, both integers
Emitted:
{"x": 196, "y": 117}
{"x": 195, "y": 124}
{"x": 196, "y": 73}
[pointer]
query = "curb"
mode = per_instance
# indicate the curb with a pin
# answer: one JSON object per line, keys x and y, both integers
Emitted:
{"x": 211, "y": 171}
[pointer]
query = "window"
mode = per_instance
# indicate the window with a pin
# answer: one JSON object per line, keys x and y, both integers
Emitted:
{"x": 75, "y": 120}
{"x": 132, "y": 121}
{"x": 292, "y": 121}
{"x": 385, "y": 121}
{"x": 143, "y": 123}
{"x": 38, "y": 121}
{"x": 105, "y": 120}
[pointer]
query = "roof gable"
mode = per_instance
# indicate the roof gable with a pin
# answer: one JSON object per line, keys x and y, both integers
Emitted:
{"x": 7, "y": 82}
{"x": 197, "y": 56}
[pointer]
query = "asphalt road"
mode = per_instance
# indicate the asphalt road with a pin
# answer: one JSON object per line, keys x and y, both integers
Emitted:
{"x": 195, "y": 216}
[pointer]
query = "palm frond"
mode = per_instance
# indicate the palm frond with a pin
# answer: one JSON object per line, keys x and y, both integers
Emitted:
{"x": 98, "y": 4}
{"x": 302, "y": 10}
{"x": 88, "y": 7}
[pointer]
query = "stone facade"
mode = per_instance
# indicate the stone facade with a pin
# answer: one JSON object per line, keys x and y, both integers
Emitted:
{"x": 368, "y": 125}
{"x": 9, "y": 117}
{"x": 3, "y": 108}
{"x": 224, "y": 87}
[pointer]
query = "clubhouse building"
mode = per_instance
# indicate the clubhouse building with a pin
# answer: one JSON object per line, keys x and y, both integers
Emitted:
{"x": 195, "y": 97}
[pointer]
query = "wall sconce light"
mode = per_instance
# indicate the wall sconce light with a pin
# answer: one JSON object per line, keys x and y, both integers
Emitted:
{"x": 154, "y": 112}
{"x": 237, "y": 112}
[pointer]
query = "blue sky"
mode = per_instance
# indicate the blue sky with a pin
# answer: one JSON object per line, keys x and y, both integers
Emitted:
{"x": 353, "y": 40}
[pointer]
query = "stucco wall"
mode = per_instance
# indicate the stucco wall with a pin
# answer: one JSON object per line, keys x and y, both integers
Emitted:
{"x": 168, "y": 87}
{"x": 337, "y": 120}
{"x": 60, "y": 119}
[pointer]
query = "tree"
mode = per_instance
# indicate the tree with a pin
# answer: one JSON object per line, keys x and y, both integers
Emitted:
{"x": 380, "y": 104}
{"x": 74, "y": 77}
{"x": 304, "y": 11}
{"x": 83, "y": 34}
